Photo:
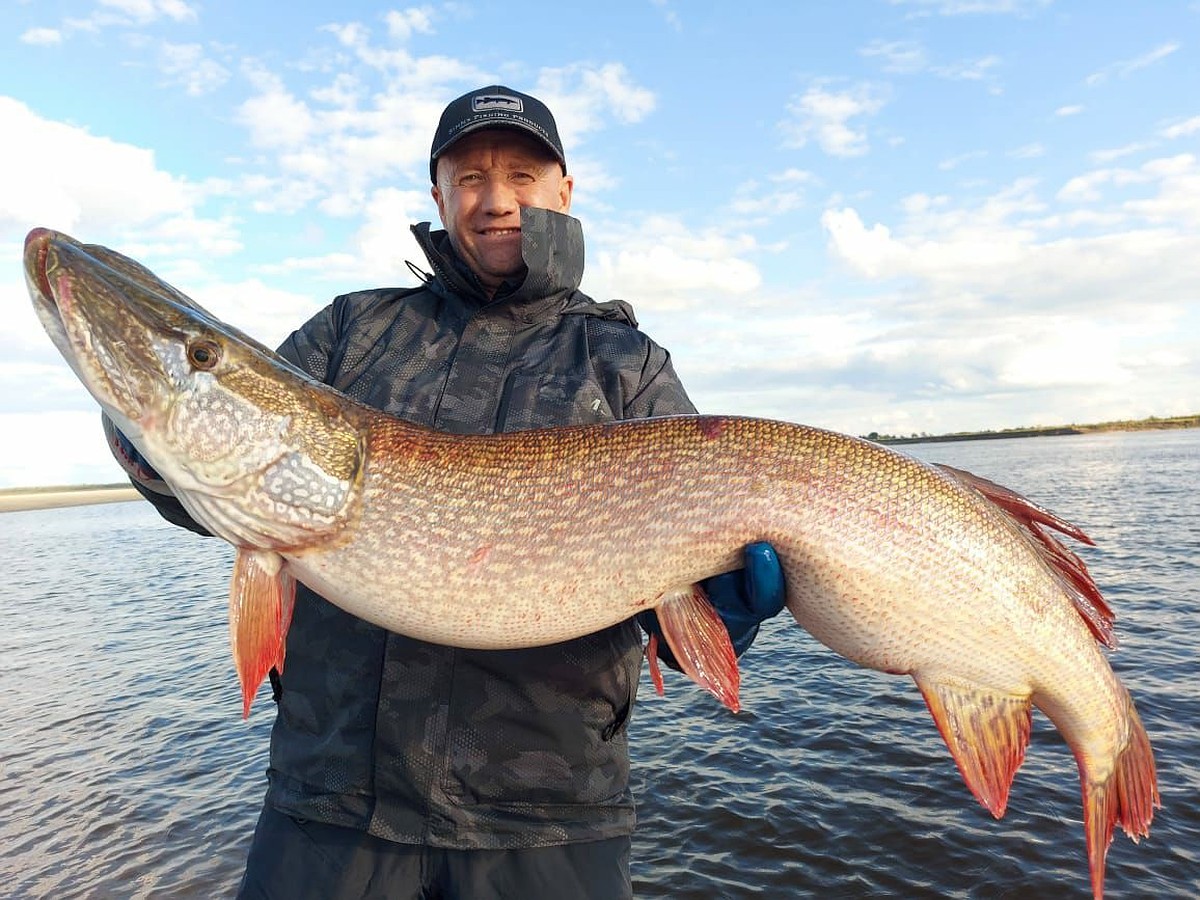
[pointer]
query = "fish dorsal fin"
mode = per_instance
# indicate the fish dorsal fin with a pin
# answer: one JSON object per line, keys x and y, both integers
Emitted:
{"x": 987, "y": 733}
{"x": 700, "y": 643}
{"x": 261, "y": 597}
{"x": 1067, "y": 567}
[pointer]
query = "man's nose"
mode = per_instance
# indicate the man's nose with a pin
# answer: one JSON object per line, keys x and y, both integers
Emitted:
{"x": 499, "y": 197}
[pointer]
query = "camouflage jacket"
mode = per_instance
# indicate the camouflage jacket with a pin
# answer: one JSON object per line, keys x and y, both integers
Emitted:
{"x": 424, "y": 744}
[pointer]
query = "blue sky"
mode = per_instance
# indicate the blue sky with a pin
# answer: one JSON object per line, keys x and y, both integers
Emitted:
{"x": 902, "y": 216}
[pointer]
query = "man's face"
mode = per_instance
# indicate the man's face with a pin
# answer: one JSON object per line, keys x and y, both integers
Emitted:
{"x": 483, "y": 181}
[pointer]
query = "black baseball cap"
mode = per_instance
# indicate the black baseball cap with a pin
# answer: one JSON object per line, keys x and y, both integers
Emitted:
{"x": 495, "y": 107}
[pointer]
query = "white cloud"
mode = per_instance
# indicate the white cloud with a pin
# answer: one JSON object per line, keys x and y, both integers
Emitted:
{"x": 128, "y": 13}
{"x": 1072, "y": 110}
{"x": 955, "y": 161}
{"x": 1127, "y": 67}
{"x": 66, "y": 178}
{"x": 587, "y": 98}
{"x": 274, "y": 117}
{"x": 404, "y": 23}
{"x": 1028, "y": 151}
{"x": 670, "y": 16}
{"x": 897, "y": 56}
{"x": 378, "y": 251}
{"x": 42, "y": 37}
{"x": 1005, "y": 252}
{"x": 662, "y": 265}
{"x": 968, "y": 70}
{"x": 188, "y": 65}
{"x": 825, "y": 114}
{"x": 973, "y": 7}
{"x": 144, "y": 11}
{"x": 1108, "y": 155}
{"x": 1182, "y": 129}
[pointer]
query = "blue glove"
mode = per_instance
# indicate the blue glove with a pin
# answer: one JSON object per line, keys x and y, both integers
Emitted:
{"x": 744, "y": 599}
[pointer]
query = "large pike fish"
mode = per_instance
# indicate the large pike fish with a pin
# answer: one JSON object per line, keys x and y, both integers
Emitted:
{"x": 534, "y": 537}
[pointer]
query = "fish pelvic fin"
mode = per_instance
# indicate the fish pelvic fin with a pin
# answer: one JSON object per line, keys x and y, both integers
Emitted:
{"x": 700, "y": 642}
{"x": 987, "y": 733}
{"x": 261, "y": 598}
{"x": 1127, "y": 797}
{"x": 655, "y": 669}
{"x": 1066, "y": 566}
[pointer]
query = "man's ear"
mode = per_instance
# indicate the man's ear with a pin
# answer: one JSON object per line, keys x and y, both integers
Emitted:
{"x": 436, "y": 193}
{"x": 565, "y": 191}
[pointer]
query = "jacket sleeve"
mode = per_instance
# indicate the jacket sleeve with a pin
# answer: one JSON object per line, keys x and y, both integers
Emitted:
{"x": 310, "y": 347}
{"x": 659, "y": 391}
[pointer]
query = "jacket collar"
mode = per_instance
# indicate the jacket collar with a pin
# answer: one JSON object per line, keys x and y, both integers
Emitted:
{"x": 552, "y": 247}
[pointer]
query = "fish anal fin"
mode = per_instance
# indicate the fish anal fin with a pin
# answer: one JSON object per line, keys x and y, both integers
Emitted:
{"x": 700, "y": 642}
{"x": 261, "y": 598}
{"x": 987, "y": 733}
{"x": 1127, "y": 797}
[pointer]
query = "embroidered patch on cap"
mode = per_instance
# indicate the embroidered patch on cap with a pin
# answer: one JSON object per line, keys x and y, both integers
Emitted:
{"x": 487, "y": 102}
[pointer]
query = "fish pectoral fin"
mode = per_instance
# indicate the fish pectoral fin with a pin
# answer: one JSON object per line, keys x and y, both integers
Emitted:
{"x": 700, "y": 642}
{"x": 261, "y": 598}
{"x": 987, "y": 732}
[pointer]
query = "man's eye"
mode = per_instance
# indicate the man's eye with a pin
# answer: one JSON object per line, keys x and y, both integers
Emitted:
{"x": 522, "y": 178}
{"x": 471, "y": 178}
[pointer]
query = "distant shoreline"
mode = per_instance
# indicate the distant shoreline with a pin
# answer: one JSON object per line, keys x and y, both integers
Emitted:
{"x": 1151, "y": 424}
{"x": 21, "y": 499}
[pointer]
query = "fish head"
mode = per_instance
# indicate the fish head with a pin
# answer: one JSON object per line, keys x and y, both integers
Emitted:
{"x": 255, "y": 449}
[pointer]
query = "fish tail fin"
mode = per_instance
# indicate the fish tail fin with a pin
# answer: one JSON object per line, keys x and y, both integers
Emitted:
{"x": 261, "y": 598}
{"x": 987, "y": 733}
{"x": 1127, "y": 797}
{"x": 700, "y": 642}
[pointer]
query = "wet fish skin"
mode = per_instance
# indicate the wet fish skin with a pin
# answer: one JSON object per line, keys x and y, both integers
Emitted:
{"x": 535, "y": 537}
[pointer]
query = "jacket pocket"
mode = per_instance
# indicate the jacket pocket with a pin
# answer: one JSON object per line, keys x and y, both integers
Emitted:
{"x": 543, "y": 400}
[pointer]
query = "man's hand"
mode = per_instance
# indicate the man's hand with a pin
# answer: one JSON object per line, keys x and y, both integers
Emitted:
{"x": 140, "y": 472}
{"x": 744, "y": 599}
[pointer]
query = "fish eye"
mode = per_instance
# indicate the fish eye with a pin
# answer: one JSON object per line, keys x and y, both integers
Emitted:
{"x": 203, "y": 354}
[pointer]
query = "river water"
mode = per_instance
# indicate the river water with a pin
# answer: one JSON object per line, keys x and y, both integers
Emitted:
{"x": 126, "y": 770}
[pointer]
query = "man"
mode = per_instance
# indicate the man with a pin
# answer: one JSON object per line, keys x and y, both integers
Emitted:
{"x": 403, "y": 769}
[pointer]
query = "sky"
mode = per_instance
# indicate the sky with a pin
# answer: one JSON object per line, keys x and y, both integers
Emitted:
{"x": 894, "y": 216}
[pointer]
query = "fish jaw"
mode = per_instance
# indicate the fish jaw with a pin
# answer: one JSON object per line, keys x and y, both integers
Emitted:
{"x": 90, "y": 336}
{"x": 249, "y": 447}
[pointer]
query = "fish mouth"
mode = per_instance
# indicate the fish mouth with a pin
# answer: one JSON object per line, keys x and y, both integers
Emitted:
{"x": 37, "y": 251}
{"x": 84, "y": 328}
{"x": 37, "y": 243}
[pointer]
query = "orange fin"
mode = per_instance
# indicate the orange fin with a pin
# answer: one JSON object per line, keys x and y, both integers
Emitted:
{"x": 987, "y": 733}
{"x": 261, "y": 598}
{"x": 1127, "y": 797}
{"x": 655, "y": 668}
{"x": 1067, "y": 567}
{"x": 700, "y": 642}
